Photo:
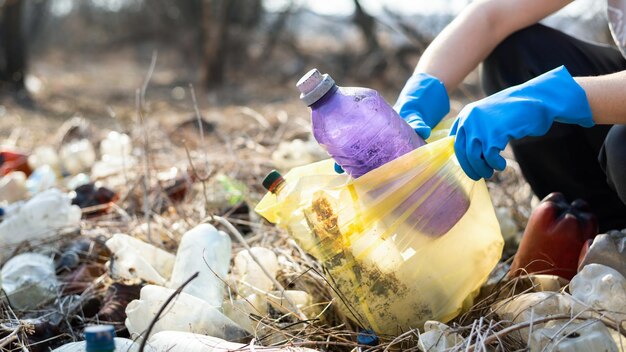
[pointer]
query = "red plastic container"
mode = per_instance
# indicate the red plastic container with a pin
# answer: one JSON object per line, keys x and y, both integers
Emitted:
{"x": 554, "y": 237}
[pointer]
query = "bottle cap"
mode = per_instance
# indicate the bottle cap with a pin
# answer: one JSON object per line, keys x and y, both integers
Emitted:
{"x": 367, "y": 337}
{"x": 273, "y": 179}
{"x": 313, "y": 85}
{"x": 100, "y": 338}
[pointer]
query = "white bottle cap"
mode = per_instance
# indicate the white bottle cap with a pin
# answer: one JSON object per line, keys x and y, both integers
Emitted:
{"x": 313, "y": 85}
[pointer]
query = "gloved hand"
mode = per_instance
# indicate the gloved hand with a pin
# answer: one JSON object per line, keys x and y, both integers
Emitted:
{"x": 484, "y": 128}
{"x": 422, "y": 103}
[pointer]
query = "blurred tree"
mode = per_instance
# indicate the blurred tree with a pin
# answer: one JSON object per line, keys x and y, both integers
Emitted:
{"x": 226, "y": 34}
{"x": 13, "y": 44}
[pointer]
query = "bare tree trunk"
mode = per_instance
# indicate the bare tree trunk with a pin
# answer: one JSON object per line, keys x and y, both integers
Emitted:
{"x": 215, "y": 29}
{"x": 367, "y": 25}
{"x": 14, "y": 44}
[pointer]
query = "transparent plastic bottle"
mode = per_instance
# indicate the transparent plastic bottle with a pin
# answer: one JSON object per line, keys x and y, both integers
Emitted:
{"x": 355, "y": 125}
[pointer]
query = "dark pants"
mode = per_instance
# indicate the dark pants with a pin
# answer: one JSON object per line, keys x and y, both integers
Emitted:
{"x": 586, "y": 163}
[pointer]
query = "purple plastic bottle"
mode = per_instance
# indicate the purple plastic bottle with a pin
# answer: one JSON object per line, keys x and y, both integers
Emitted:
{"x": 356, "y": 126}
{"x": 362, "y": 132}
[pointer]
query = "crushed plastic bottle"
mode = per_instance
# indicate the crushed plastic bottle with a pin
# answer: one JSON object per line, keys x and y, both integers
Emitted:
{"x": 40, "y": 218}
{"x": 438, "y": 337}
{"x": 251, "y": 278}
{"x": 608, "y": 249}
{"x": 355, "y": 125}
{"x": 135, "y": 259}
{"x": 77, "y": 156}
{"x": 572, "y": 336}
{"x": 602, "y": 288}
{"x": 206, "y": 250}
{"x": 185, "y": 313}
{"x": 116, "y": 157}
{"x": 176, "y": 341}
{"x": 29, "y": 280}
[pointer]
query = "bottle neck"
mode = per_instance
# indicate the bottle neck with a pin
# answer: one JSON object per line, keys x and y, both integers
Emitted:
{"x": 277, "y": 186}
{"x": 321, "y": 101}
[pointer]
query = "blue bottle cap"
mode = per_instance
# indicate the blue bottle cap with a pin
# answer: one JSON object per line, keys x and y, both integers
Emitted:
{"x": 100, "y": 338}
{"x": 1, "y": 212}
{"x": 367, "y": 337}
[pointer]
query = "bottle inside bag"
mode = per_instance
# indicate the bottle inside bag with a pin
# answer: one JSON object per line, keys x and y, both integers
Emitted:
{"x": 362, "y": 132}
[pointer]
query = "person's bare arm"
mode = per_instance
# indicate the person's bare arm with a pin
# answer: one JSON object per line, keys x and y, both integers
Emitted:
{"x": 469, "y": 39}
{"x": 607, "y": 97}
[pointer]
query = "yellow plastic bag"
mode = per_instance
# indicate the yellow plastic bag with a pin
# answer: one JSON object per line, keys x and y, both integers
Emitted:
{"x": 408, "y": 242}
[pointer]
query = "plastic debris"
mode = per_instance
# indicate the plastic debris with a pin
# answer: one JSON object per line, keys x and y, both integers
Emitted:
{"x": 438, "y": 337}
{"x": 13, "y": 187}
{"x": 29, "y": 280}
{"x": 185, "y": 313}
{"x": 43, "y": 178}
{"x": 176, "y": 341}
{"x": 572, "y": 336}
{"x": 134, "y": 259}
{"x": 77, "y": 156}
{"x": 88, "y": 195}
{"x": 13, "y": 160}
{"x": 206, "y": 250}
{"x": 602, "y": 288}
{"x": 608, "y": 249}
{"x": 251, "y": 278}
{"x": 40, "y": 218}
{"x": 554, "y": 237}
{"x": 116, "y": 157}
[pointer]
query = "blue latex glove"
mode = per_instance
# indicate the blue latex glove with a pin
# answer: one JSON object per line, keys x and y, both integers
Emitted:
{"x": 484, "y": 128}
{"x": 422, "y": 103}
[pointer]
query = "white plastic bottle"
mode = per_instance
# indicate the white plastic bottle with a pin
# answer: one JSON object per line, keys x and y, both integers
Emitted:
{"x": 206, "y": 250}
{"x": 251, "y": 278}
{"x": 29, "y": 280}
{"x": 175, "y": 341}
{"x": 185, "y": 313}
{"x": 77, "y": 156}
{"x": 136, "y": 259}
{"x": 41, "y": 218}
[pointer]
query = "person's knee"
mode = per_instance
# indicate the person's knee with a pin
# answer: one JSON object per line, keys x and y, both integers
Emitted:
{"x": 506, "y": 65}
{"x": 612, "y": 159}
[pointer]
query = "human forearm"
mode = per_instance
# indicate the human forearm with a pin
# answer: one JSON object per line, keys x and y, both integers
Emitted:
{"x": 607, "y": 97}
{"x": 470, "y": 38}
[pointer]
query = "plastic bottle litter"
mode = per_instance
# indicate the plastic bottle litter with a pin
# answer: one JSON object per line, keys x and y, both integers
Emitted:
{"x": 176, "y": 341}
{"x": 88, "y": 195}
{"x": 355, "y": 125}
{"x": 554, "y": 237}
{"x": 29, "y": 280}
{"x": 608, "y": 249}
{"x": 438, "y": 337}
{"x": 206, "y": 250}
{"x": 362, "y": 132}
{"x": 45, "y": 155}
{"x": 77, "y": 156}
{"x": 13, "y": 187}
{"x": 43, "y": 178}
{"x": 573, "y": 336}
{"x": 251, "y": 278}
{"x": 136, "y": 259}
{"x": 602, "y": 288}
{"x": 101, "y": 338}
{"x": 12, "y": 160}
{"x": 185, "y": 313}
{"x": 40, "y": 218}
{"x": 115, "y": 151}
{"x": 303, "y": 301}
